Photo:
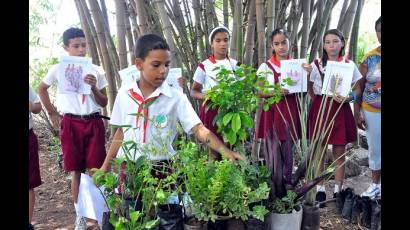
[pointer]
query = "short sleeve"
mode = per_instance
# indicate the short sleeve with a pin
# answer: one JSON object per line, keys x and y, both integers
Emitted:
{"x": 356, "y": 74}
{"x": 32, "y": 96}
{"x": 51, "y": 76}
{"x": 117, "y": 112}
{"x": 186, "y": 114}
{"x": 199, "y": 75}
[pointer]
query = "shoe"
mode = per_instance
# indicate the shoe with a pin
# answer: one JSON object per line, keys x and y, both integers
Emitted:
{"x": 320, "y": 197}
{"x": 348, "y": 204}
{"x": 357, "y": 209}
{"x": 376, "y": 210}
{"x": 80, "y": 223}
{"x": 30, "y": 226}
{"x": 340, "y": 200}
{"x": 373, "y": 191}
{"x": 366, "y": 218}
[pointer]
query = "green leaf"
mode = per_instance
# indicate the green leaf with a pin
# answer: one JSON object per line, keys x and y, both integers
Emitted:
{"x": 236, "y": 122}
{"x": 134, "y": 215}
{"x": 242, "y": 134}
{"x": 227, "y": 118}
{"x": 231, "y": 137}
{"x": 247, "y": 122}
{"x": 152, "y": 224}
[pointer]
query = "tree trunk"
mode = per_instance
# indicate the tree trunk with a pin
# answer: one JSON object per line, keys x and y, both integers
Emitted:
{"x": 348, "y": 20}
{"x": 342, "y": 14}
{"x": 250, "y": 33}
{"x": 91, "y": 46}
{"x": 270, "y": 17}
{"x": 355, "y": 32}
{"x": 142, "y": 17}
{"x": 236, "y": 29}
{"x": 105, "y": 16}
{"x": 97, "y": 16}
{"x": 120, "y": 18}
{"x": 167, "y": 28}
{"x": 226, "y": 14}
{"x": 196, "y": 5}
{"x": 129, "y": 34}
{"x": 260, "y": 24}
{"x": 326, "y": 13}
{"x": 304, "y": 45}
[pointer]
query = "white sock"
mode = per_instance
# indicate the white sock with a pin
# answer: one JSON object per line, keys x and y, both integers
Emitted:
{"x": 320, "y": 188}
{"x": 337, "y": 188}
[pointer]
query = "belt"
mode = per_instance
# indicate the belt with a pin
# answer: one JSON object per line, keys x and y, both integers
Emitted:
{"x": 87, "y": 116}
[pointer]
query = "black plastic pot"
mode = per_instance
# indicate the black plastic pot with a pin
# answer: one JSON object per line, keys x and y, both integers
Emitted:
{"x": 170, "y": 216}
{"x": 255, "y": 224}
{"x": 367, "y": 212}
{"x": 357, "y": 209}
{"x": 194, "y": 224}
{"x": 348, "y": 204}
{"x": 376, "y": 211}
{"x": 106, "y": 222}
{"x": 218, "y": 225}
{"x": 235, "y": 224}
{"x": 311, "y": 217}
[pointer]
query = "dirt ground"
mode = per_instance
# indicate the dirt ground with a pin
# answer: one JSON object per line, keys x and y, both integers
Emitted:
{"x": 54, "y": 208}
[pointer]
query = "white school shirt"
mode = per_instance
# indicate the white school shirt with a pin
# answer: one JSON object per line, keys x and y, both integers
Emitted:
{"x": 264, "y": 68}
{"x": 206, "y": 76}
{"x": 317, "y": 79}
{"x": 32, "y": 96}
{"x": 72, "y": 103}
{"x": 171, "y": 104}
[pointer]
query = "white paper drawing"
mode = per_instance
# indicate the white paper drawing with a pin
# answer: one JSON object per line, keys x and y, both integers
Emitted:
{"x": 131, "y": 74}
{"x": 90, "y": 202}
{"x": 293, "y": 69}
{"x": 172, "y": 78}
{"x": 338, "y": 78}
{"x": 72, "y": 70}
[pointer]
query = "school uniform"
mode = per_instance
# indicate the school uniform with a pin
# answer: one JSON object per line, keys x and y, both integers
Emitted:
{"x": 156, "y": 124}
{"x": 206, "y": 76}
{"x": 34, "y": 167}
{"x": 82, "y": 130}
{"x": 287, "y": 106}
{"x": 344, "y": 129}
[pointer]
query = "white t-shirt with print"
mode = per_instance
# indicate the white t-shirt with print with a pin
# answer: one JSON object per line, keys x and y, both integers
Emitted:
{"x": 207, "y": 78}
{"x": 316, "y": 78}
{"x": 171, "y": 106}
{"x": 72, "y": 103}
{"x": 32, "y": 96}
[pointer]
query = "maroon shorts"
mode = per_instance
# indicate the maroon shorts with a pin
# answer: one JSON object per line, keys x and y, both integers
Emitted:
{"x": 344, "y": 129}
{"x": 207, "y": 116}
{"x": 34, "y": 168}
{"x": 82, "y": 143}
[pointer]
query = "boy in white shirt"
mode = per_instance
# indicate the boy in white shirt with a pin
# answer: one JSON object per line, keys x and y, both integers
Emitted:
{"x": 160, "y": 106}
{"x": 82, "y": 129}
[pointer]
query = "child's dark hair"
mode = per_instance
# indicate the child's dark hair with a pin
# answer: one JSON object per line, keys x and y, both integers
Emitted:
{"x": 147, "y": 43}
{"x": 216, "y": 30}
{"x": 276, "y": 32}
{"x": 72, "y": 33}
{"x": 336, "y": 32}
{"x": 379, "y": 21}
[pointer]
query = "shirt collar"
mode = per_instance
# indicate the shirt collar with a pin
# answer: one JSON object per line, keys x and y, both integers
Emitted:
{"x": 164, "y": 89}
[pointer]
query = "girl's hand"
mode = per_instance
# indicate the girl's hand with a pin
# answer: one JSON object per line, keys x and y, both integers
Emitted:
{"x": 285, "y": 92}
{"x": 360, "y": 122}
{"x": 307, "y": 67}
{"x": 234, "y": 155}
{"x": 340, "y": 99}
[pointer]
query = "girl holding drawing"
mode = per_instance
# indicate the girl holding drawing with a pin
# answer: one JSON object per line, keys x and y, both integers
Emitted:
{"x": 337, "y": 125}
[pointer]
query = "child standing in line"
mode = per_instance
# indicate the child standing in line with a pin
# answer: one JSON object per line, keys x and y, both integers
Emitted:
{"x": 34, "y": 106}
{"x": 344, "y": 129}
{"x": 82, "y": 129}
{"x": 161, "y": 105}
{"x": 205, "y": 77}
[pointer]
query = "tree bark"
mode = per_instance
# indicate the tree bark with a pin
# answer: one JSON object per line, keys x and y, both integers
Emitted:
{"x": 270, "y": 17}
{"x": 355, "y": 32}
{"x": 142, "y": 16}
{"x": 225, "y": 13}
{"x": 348, "y": 21}
{"x": 250, "y": 33}
{"x": 260, "y": 26}
{"x": 120, "y": 18}
{"x": 342, "y": 14}
{"x": 304, "y": 45}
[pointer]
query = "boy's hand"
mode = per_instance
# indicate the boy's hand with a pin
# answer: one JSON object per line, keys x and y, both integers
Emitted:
{"x": 182, "y": 82}
{"x": 234, "y": 155}
{"x": 91, "y": 80}
{"x": 55, "y": 120}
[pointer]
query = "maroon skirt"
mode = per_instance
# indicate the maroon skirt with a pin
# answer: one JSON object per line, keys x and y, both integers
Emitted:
{"x": 286, "y": 111}
{"x": 207, "y": 116}
{"x": 344, "y": 129}
{"x": 266, "y": 122}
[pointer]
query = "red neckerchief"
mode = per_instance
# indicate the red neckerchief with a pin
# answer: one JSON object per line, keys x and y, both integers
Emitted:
{"x": 142, "y": 107}
{"x": 212, "y": 59}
